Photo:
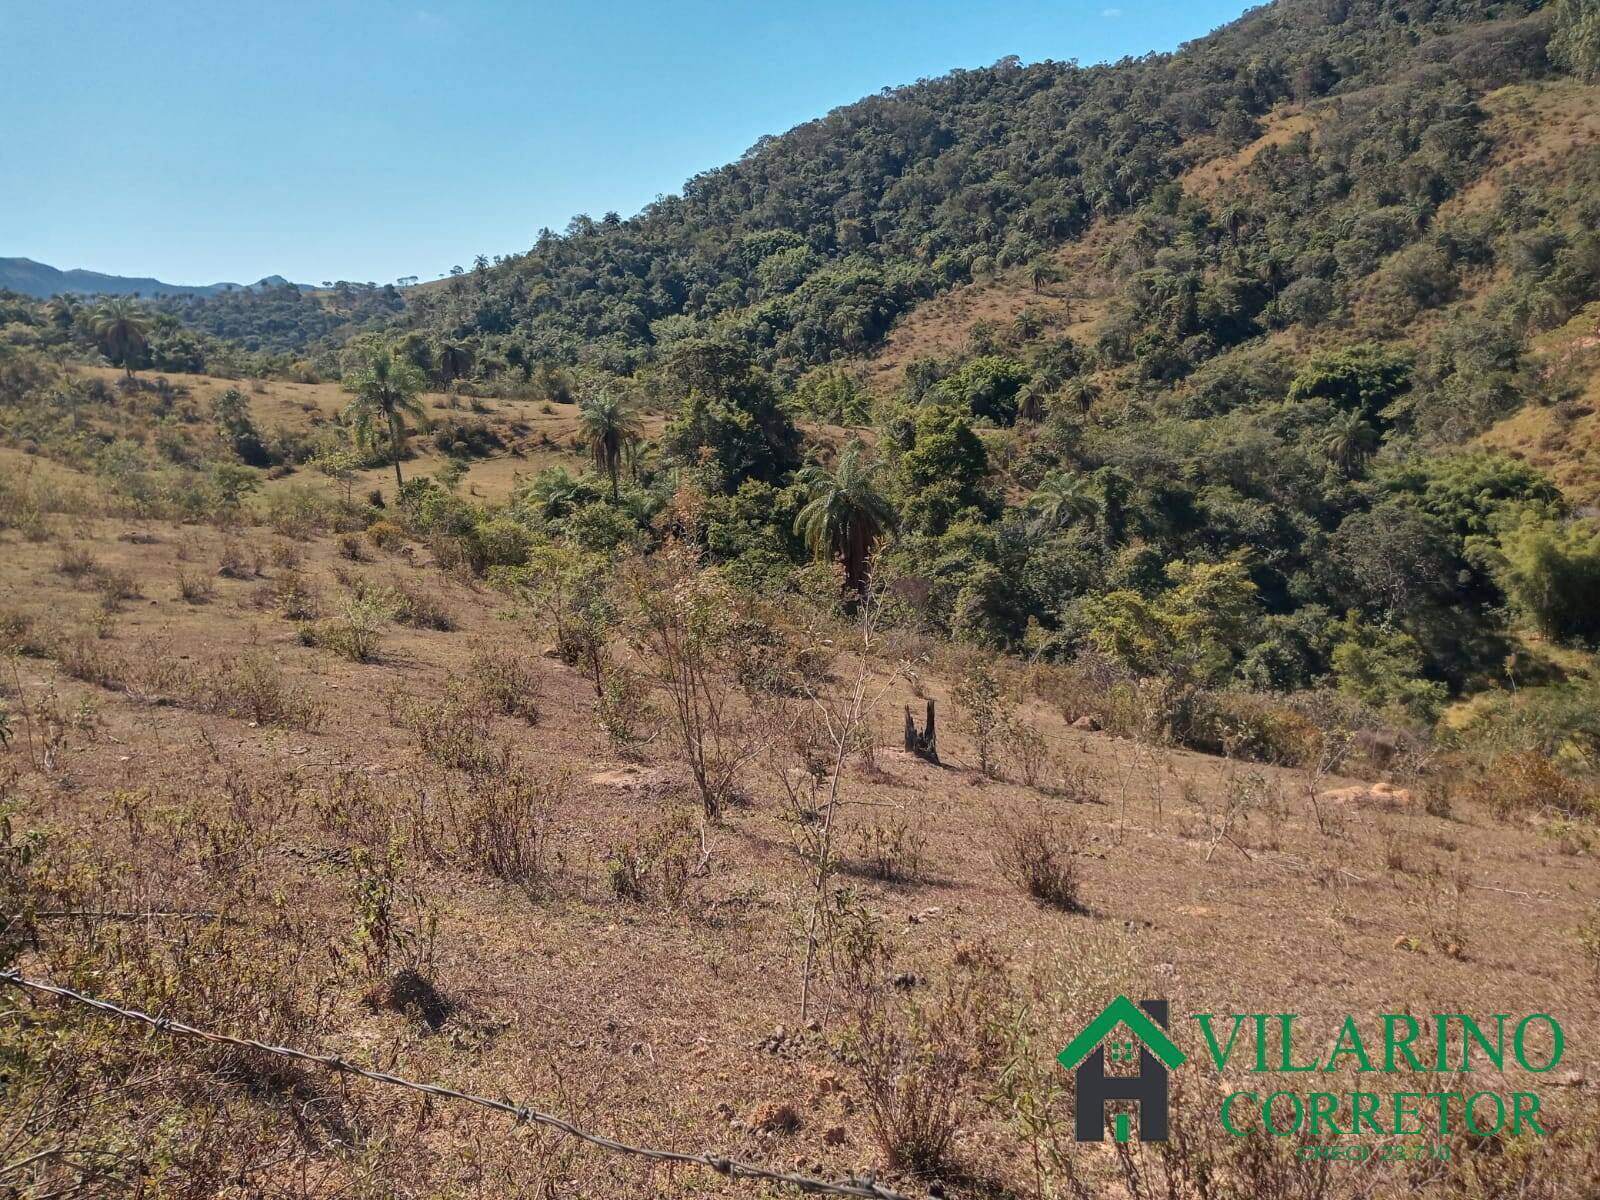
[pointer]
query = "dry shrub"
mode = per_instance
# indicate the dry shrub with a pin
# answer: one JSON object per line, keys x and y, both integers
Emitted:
{"x": 916, "y": 1060}
{"x": 1038, "y": 853}
{"x": 654, "y": 865}
{"x": 1527, "y": 782}
{"x": 420, "y": 608}
{"x": 19, "y": 634}
{"x": 351, "y": 549}
{"x": 292, "y": 596}
{"x": 115, "y": 587}
{"x": 233, "y": 562}
{"x": 76, "y": 563}
{"x": 195, "y": 587}
{"x": 505, "y": 826}
{"x": 506, "y": 682}
{"x": 682, "y": 620}
{"x": 251, "y": 687}
{"x": 455, "y": 733}
{"x": 386, "y": 535}
{"x": 83, "y": 657}
{"x": 347, "y": 802}
{"x": 286, "y": 555}
{"x": 1027, "y": 748}
{"x": 891, "y": 851}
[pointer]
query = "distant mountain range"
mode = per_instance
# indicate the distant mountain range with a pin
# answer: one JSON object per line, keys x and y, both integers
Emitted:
{"x": 37, "y": 279}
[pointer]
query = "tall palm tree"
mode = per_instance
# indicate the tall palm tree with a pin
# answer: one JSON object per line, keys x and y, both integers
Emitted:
{"x": 1081, "y": 390}
{"x": 1350, "y": 442}
{"x": 607, "y": 423}
{"x": 123, "y": 331}
{"x": 1060, "y": 499}
{"x": 386, "y": 389}
{"x": 454, "y": 362}
{"x": 845, "y": 515}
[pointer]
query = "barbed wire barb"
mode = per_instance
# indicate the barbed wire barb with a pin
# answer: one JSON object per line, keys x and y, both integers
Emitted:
{"x": 522, "y": 1114}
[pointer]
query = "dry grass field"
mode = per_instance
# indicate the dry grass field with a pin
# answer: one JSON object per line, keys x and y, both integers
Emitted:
{"x": 417, "y": 848}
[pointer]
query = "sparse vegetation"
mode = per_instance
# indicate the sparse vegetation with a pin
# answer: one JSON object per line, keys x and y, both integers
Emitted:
{"x": 1038, "y": 854}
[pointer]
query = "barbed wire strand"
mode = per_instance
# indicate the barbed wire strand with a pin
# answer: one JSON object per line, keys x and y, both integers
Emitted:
{"x": 863, "y": 1186}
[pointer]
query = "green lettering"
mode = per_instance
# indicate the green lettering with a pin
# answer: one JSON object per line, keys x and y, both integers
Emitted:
{"x": 1286, "y": 1020}
{"x": 1555, "y": 1049}
{"x": 1391, "y": 1044}
{"x": 1349, "y": 1042}
{"x": 1219, "y": 1056}
{"x": 1518, "y": 1112}
{"x": 1402, "y": 1111}
{"x": 1499, "y": 1113}
{"x": 1471, "y": 1033}
{"x": 1365, "y": 1107}
{"x": 1323, "y": 1106}
{"x": 1272, "y": 1125}
{"x": 1227, "y": 1118}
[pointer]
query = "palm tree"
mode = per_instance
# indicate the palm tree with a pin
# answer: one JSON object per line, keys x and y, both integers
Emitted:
{"x": 1081, "y": 390}
{"x": 122, "y": 330}
{"x": 386, "y": 388}
{"x": 845, "y": 515}
{"x": 554, "y": 493}
{"x": 454, "y": 362}
{"x": 1350, "y": 442}
{"x": 607, "y": 423}
{"x": 1060, "y": 499}
{"x": 1030, "y": 403}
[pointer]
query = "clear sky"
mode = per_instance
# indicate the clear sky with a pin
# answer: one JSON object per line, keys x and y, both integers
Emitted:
{"x": 356, "y": 139}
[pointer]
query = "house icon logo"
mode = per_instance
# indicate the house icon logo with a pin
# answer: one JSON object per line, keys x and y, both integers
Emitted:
{"x": 1086, "y": 1058}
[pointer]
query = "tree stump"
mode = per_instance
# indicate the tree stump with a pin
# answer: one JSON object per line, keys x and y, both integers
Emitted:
{"x": 924, "y": 743}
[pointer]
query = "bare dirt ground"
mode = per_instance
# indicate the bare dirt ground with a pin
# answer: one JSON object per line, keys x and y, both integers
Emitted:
{"x": 675, "y": 1022}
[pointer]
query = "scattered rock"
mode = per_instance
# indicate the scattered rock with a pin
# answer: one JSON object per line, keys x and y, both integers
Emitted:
{"x": 627, "y": 778}
{"x": 1087, "y": 722}
{"x": 1375, "y": 795}
{"x": 905, "y": 981}
{"x": 771, "y": 1116}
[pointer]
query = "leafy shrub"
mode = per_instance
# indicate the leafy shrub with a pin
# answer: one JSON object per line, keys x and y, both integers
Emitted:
{"x": 386, "y": 535}
{"x": 1551, "y": 572}
{"x": 985, "y": 713}
{"x": 357, "y": 629}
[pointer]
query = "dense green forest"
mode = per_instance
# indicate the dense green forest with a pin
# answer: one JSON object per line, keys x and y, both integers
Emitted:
{"x": 1250, "y": 471}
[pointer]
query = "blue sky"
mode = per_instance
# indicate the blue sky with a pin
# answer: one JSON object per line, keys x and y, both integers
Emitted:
{"x": 364, "y": 140}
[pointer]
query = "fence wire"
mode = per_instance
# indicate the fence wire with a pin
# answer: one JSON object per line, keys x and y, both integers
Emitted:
{"x": 863, "y": 1185}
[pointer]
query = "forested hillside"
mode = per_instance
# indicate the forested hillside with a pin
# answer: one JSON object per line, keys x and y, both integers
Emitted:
{"x": 755, "y": 677}
{"x": 1185, "y": 364}
{"x": 812, "y": 244}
